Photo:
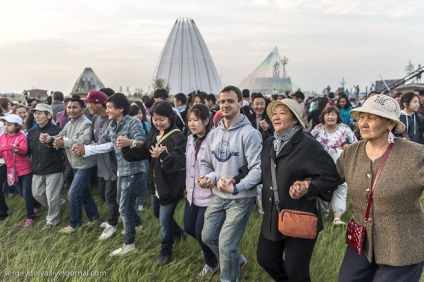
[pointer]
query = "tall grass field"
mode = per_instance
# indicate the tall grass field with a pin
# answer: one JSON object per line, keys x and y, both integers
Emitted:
{"x": 34, "y": 254}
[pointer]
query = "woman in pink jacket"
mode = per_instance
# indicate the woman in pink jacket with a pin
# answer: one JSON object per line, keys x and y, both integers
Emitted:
{"x": 198, "y": 198}
{"x": 13, "y": 148}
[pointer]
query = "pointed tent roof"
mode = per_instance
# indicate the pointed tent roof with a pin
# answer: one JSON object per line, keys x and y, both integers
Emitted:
{"x": 86, "y": 82}
{"x": 185, "y": 63}
{"x": 269, "y": 75}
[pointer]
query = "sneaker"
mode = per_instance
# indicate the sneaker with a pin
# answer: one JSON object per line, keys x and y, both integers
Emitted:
{"x": 67, "y": 230}
{"x": 138, "y": 229}
{"x": 338, "y": 221}
{"x": 104, "y": 224}
{"x": 108, "y": 232}
{"x": 163, "y": 259}
{"x": 28, "y": 223}
{"x": 37, "y": 210}
{"x": 123, "y": 250}
{"x": 207, "y": 271}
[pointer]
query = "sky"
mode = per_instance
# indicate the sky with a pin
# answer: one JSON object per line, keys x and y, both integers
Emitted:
{"x": 47, "y": 44}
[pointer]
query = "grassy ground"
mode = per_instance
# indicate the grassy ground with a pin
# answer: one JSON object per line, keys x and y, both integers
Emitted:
{"x": 82, "y": 257}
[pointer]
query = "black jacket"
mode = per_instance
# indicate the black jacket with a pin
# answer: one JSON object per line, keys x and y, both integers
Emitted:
{"x": 265, "y": 134}
{"x": 44, "y": 158}
{"x": 169, "y": 168}
{"x": 302, "y": 157}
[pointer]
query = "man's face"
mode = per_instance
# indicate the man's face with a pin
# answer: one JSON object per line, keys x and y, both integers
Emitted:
{"x": 229, "y": 104}
{"x": 209, "y": 103}
{"x": 75, "y": 110}
{"x": 421, "y": 100}
{"x": 94, "y": 108}
{"x": 41, "y": 118}
{"x": 112, "y": 112}
{"x": 258, "y": 106}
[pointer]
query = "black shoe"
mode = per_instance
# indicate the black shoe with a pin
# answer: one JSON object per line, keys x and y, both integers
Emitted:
{"x": 3, "y": 216}
{"x": 164, "y": 259}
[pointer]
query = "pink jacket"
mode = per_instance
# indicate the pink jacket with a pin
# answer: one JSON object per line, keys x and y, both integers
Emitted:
{"x": 16, "y": 141}
{"x": 195, "y": 195}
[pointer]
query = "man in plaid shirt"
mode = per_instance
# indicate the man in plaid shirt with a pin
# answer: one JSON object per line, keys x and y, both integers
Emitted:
{"x": 130, "y": 174}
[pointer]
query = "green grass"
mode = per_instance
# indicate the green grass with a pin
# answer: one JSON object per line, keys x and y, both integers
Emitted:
{"x": 35, "y": 249}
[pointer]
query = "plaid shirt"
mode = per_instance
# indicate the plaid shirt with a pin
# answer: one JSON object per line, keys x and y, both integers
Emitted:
{"x": 132, "y": 128}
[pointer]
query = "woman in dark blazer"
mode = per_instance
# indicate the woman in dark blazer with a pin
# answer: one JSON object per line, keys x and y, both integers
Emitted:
{"x": 304, "y": 173}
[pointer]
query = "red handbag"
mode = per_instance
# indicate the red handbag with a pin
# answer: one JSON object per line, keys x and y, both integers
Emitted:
{"x": 356, "y": 233}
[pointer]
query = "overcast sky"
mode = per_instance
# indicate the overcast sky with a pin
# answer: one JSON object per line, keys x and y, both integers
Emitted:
{"x": 47, "y": 44}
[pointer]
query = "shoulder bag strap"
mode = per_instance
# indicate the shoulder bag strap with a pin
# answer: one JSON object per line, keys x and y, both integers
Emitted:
{"x": 166, "y": 135}
{"x": 274, "y": 185}
{"x": 386, "y": 155}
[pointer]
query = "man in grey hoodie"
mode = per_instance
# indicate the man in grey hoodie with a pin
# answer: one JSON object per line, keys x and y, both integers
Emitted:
{"x": 234, "y": 144}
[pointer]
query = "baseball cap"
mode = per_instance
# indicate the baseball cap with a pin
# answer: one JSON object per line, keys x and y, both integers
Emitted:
{"x": 43, "y": 108}
{"x": 12, "y": 118}
{"x": 97, "y": 97}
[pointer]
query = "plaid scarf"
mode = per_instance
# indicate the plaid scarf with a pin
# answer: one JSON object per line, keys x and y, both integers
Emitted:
{"x": 282, "y": 138}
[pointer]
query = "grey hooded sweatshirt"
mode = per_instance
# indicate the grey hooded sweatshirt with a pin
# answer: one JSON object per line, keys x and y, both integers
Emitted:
{"x": 230, "y": 149}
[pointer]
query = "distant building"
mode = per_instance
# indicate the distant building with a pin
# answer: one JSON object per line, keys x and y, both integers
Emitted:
{"x": 86, "y": 82}
{"x": 39, "y": 94}
{"x": 269, "y": 77}
{"x": 185, "y": 63}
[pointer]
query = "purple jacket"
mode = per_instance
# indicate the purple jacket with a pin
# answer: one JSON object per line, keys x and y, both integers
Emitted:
{"x": 195, "y": 195}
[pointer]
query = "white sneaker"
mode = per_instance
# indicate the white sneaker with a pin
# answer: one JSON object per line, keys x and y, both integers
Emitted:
{"x": 104, "y": 224}
{"x": 108, "y": 232}
{"x": 123, "y": 250}
{"x": 207, "y": 271}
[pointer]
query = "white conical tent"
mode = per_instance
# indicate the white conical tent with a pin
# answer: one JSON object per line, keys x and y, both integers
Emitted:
{"x": 185, "y": 63}
{"x": 268, "y": 76}
{"x": 86, "y": 82}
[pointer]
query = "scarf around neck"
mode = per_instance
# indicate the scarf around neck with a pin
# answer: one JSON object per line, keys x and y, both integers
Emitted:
{"x": 282, "y": 138}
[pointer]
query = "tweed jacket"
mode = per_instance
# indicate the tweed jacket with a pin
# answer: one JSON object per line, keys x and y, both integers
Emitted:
{"x": 302, "y": 157}
{"x": 396, "y": 224}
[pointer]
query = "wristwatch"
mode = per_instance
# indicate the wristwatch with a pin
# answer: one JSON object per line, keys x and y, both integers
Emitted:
{"x": 133, "y": 144}
{"x": 235, "y": 192}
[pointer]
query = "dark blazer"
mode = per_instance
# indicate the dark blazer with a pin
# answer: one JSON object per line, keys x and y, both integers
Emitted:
{"x": 169, "y": 168}
{"x": 302, "y": 157}
{"x": 265, "y": 134}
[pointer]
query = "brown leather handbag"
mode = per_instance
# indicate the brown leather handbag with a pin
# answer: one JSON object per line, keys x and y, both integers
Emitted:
{"x": 293, "y": 223}
{"x": 356, "y": 233}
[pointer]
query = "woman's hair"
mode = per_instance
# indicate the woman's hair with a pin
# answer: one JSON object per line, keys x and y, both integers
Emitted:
{"x": 1, "y": 111}
{"x": 330, "y": 109}
{"x": 407, "y": 98}
{"x": 134, "y": 109}
{"x": 141, "y": 107}
{"x": 343, "y": 96}
{"x": 201, "y": 112}
{"x": 198, "y": 94}
{"x": 164, "y": 108}
{"x": 18, "y": 107}
{"x": 321, "y": 103}
{"x": 29, "y": 121}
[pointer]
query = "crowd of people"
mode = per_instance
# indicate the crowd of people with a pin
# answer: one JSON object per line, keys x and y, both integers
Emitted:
{"x": 222, "y": 156}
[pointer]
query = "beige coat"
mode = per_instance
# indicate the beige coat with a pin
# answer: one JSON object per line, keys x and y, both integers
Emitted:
{"x": 395, "y": 230}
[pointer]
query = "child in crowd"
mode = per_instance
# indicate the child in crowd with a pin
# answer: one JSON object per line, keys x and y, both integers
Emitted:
{"x": 198, "y": 198}
{"x": 13, "y": 148}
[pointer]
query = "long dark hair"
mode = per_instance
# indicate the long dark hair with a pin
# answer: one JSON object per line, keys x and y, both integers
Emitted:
{"x": 201, "y": 111}
{"x": 343, "y": 96}
{"x": 134, "y": 109}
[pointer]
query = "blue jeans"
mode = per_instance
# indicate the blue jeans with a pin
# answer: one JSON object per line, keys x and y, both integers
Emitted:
{"x": 169, "y": 228}
{"x": 225, "y": 222}
{"x": 194, "y": 217}
{"x": 26, "y": 192}
{"x": 127, "y": 188}
{"x": 142, "y": 191}
{"x": 79, "y": 196}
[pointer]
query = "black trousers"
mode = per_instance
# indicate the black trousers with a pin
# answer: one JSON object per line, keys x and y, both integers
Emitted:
{"x": 357, "y": 268}
{"x": 295, "y": 267}
{"x": 109, "y": 191}
{"x": 3, "y": 176}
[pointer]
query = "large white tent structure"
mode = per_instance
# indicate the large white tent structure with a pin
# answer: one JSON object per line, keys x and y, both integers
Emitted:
{"x": 270, "y": 76}
{"x": 86, "y": 82}
{"x": 185, "y": 63}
